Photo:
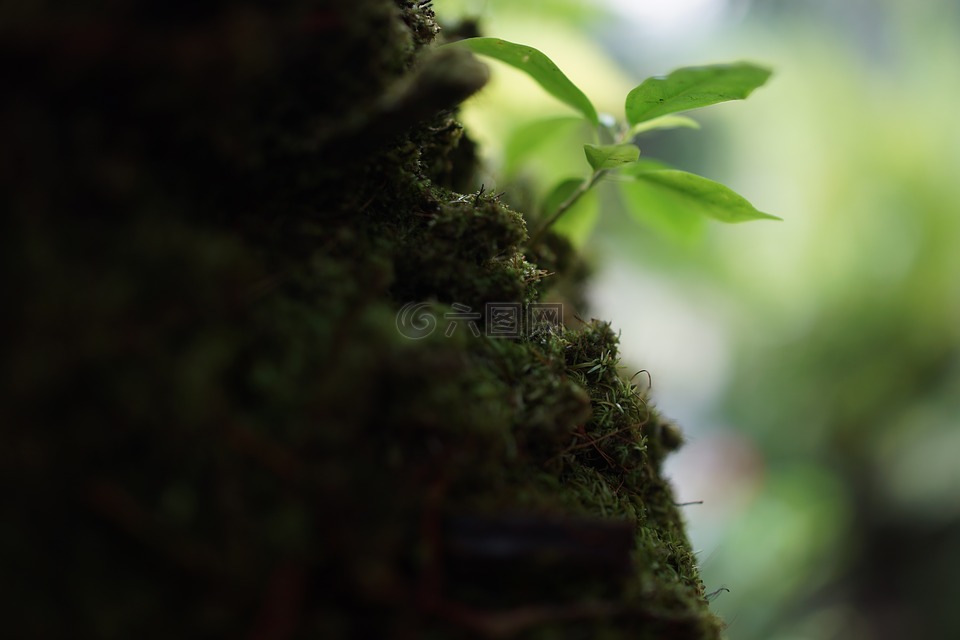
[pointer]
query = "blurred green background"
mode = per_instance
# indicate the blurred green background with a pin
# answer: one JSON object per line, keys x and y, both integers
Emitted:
{"x": 814, "y": 363}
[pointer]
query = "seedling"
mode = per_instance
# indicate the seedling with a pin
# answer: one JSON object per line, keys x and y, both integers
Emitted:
{"x": 654, "y": 104}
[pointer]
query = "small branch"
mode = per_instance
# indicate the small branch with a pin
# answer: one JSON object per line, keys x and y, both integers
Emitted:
{"x": 624, "y": 135}
{"x": 566, "y": 204}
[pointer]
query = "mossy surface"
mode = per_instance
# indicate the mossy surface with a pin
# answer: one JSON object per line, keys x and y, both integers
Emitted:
{"x": 213, "y": 426}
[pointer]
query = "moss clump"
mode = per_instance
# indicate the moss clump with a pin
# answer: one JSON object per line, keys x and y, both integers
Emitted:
{"x": 214, "y": 425}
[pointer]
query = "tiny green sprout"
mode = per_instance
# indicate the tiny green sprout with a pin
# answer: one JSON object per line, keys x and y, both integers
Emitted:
{"x": 647, "y": 187}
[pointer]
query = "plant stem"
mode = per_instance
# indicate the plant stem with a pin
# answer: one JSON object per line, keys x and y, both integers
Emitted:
{"x": 566, "y": 204}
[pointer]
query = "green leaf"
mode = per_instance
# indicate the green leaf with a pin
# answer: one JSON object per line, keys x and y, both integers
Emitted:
{"x": 545, "y": 139}
{"x": 665, "y": 122}
{"x": 679, "y": 191}
{"x": 660, "y": 211}
{"x": 610, "y": 156}
{"x": 536, "y": 65}
{"x": 631, "y": 171}
{"x": 691, "y": 88}
{"x": 578, "y": 221}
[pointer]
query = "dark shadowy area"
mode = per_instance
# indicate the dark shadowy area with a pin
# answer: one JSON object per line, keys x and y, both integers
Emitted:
{"x": 212, "y": 426}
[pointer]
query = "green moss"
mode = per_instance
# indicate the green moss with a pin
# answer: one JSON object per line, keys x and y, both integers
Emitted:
{"x": 214, "y": 424}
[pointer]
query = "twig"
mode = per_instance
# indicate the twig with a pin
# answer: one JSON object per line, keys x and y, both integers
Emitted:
{"x": 566, "y": 204}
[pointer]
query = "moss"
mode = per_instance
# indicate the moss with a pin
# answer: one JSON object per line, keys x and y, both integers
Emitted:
{"x": 214, "y": 425}
{"x": 569, "y": 271}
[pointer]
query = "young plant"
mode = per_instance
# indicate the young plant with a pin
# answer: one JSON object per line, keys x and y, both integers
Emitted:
{"x": 654, "y": 104}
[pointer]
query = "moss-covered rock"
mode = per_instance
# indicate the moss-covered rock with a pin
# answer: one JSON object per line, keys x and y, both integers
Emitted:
{"x": 217, "y": 419}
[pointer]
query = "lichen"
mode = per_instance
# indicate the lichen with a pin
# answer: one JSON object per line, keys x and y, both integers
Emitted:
{"x": 214, "y": 426}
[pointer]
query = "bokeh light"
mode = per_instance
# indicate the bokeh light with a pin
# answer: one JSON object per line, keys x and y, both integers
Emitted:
{"x": 814, "y": 363}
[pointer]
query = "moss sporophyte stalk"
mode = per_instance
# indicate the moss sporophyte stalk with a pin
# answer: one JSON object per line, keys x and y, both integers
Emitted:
{"x": 218, "y": 426}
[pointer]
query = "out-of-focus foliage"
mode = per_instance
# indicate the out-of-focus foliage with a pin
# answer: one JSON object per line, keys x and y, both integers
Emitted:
{"x": 845, "y": 332}
{"x": 858, "y": 374}
{"x": 841, "y": 325}
{"x": 581, "y": 217}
